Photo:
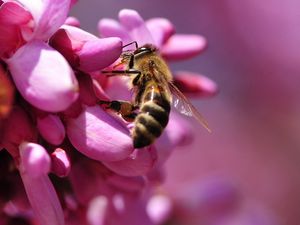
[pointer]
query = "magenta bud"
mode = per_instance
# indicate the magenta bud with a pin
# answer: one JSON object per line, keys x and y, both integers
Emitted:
{"x": 51, "y": 129}
{"x": 61, "y": 164}
{"x": 35, "y": 159}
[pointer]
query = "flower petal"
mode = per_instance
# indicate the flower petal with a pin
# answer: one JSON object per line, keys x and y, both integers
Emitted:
{"x": 161, "y": 30}
{"x": 14, "y": 13}
{"x": 99, "y": 136}
{"x": 35, "y": 159}
{"x": 86, "y": 89}
{"x": 195, "y": 85}
{"x": 43, "y": 77}
{"x": 48, "y": 16}
{"x": 139, "y": 163}
{"x": 61, "y": 164}
{"x": 136, "y": 26}
{"x": 159, "y": 208}
{"x": 183, "y": 46}
{"x": 112, "y": 28}
{"x": 84, "y": 50}
{"x": 97, "y": 210}
{"x": 43, "y": 199}
{"x": 72, "y": 21}
{"x": 18, "y": 128}
{"x": 98, "y": 54}
{"x": 51, "y": 129}
{"x": 13, "y": 18}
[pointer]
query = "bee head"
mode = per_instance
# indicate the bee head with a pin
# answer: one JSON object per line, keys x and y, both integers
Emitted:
{"x": 147, "y": 48}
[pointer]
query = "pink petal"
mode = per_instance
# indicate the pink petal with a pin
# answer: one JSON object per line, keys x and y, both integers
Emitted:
{"x": 51, "y": 129}
{"x": 72, "y": 21}
{"x": 98, "y": 90}
{"x": 136, "y": 26}
{"x": 18, "y": 128}
{"x": 68, "y": 40}
{"x": 10, "y": 40}
{"x": 84, "y": 50}
{"x": 161, "y": 30}
{"x": 140, "y": 162}
{"x": 33, "y": 66}
{"x": 35, "y": 159}
{"x": 61, "y": 164}
{"x": 14, "y": 13}
{"x": 117, "y": 88}
{"x": 48, "y": 16}
{"x": 183, "y": 46}
{"x": 73, "y": 110}
{"x": 13, "y": 18}
{"x": 98, "y": 54}
{"x": 195, "y": 85}
{"x": 43, "y": 199}
{"x": 159, "y": 208}
{"x": 99, "y": 136}
{"x": 86, "y": 89}
{"x": 112, "y": 28}
{"x": 97, "y": 210}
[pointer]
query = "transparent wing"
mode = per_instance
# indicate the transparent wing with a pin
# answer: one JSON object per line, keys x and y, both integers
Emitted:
{"x": 184, "y": 106}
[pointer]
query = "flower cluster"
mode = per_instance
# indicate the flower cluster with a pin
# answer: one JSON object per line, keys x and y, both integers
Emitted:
{"x": 74, "y": 159}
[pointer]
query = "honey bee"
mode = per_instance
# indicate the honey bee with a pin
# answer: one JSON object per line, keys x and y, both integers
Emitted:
{"x": 154, "y": 93}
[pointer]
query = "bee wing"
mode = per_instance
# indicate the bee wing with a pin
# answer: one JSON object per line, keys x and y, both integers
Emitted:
{"x": 184, "y": 106}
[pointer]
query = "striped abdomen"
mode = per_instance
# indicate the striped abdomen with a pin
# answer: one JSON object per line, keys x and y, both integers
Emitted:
{"x": 152, "y": 119}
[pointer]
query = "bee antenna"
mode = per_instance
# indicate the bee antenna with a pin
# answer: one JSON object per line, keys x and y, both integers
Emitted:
{"x": 134, "y": 42}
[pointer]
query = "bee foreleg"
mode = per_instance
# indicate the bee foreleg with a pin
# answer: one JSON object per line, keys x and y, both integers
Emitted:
{"x": 125, "y": 108}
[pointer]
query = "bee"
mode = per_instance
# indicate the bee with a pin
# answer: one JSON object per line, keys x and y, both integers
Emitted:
{"x": 154, "y": 93}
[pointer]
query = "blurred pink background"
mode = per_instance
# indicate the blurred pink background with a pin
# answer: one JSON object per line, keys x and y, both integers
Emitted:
{"x": 253, "y": 55}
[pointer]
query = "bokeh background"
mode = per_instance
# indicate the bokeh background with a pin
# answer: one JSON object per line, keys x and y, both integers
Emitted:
{"x": 253, "y": 55}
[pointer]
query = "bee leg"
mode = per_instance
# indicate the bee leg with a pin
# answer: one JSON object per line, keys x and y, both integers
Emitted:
{"x": 125, "y": 108}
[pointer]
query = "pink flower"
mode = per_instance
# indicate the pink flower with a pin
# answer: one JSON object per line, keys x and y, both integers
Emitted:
{"x": 31, "y": 61}
{"x": 56, "y": 125}
{"x": 157, "y": 31}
